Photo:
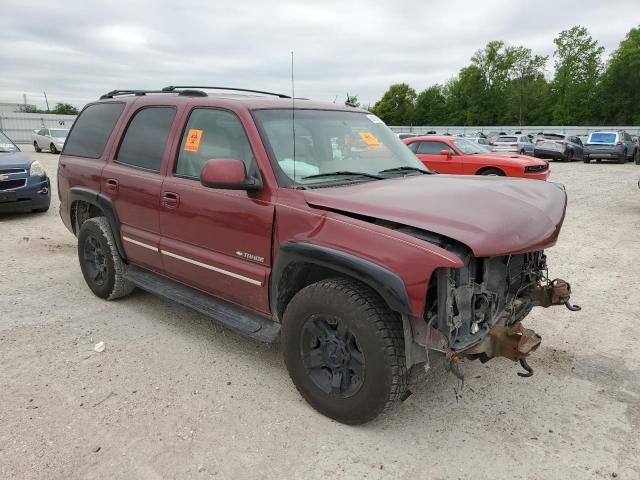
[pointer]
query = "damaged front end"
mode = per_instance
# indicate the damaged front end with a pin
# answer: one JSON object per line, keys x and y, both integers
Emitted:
{"x": 476, "y": 311}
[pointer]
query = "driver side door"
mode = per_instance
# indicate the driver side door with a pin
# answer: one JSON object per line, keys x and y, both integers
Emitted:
{"x": 429, "y": 153}
{"x": 216, "y": 240}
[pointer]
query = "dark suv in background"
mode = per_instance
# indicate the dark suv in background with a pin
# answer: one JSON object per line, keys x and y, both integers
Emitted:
{"x": 24, "y": 184}
{"x": 611, "y": 145}
{"x": 558, "y": 146}
{"x": 324, "y": 232}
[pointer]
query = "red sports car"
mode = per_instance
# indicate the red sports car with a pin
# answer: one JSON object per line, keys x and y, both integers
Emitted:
{"x": 460, "y": 156}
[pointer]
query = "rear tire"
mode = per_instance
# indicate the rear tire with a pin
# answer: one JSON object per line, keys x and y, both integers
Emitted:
{"x": 53, "y": 149}
{"x": 586, "y": 160}
{"x": 344, "y": 350}
{"x": 36, "y": 147}
{"x": 100, "y": 262}
{"x": 637, "y": 156}
{"x": 569, "y": 157}
{"x": 623, "y": 158}
{"x": 492, "y": 172}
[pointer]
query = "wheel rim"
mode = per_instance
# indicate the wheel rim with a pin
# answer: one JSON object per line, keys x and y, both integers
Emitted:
{"x": 95, "y": 261}
{"x": 332, "y": 356}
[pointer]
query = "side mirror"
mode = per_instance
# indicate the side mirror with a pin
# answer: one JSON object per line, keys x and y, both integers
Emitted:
{"x": 229, "y": 174}
{"x": 446, "y": 153}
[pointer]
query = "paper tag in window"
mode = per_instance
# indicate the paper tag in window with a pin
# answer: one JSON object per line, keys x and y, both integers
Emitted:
{"x": 193, "y": 140}
{"x": 374, "y": 119}
{"x": 370, "y": 139}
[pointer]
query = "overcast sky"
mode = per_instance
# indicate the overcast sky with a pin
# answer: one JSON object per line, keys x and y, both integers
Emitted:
{"x": 76, "y": 50}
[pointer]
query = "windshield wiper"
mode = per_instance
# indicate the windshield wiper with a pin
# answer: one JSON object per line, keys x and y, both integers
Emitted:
{"x": 406, "y": 169}
{"x": 344, "y": 172}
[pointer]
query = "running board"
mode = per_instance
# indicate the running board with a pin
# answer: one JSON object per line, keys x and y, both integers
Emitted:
{"x": 230, "y": 315}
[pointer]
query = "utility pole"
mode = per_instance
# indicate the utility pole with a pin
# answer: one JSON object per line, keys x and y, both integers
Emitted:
{"x": 46, "y": 101}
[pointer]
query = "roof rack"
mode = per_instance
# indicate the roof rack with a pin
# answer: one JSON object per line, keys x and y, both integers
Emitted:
{"x": 141, "y": 93}
{"x": 172, "y": 88}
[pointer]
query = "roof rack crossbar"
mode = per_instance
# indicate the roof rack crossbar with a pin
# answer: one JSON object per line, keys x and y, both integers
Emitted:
{"x": 173, "y": 88}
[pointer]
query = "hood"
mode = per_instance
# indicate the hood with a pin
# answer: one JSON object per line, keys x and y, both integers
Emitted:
{"x": 491, "y": 215}
{"x": 15, "y": 160}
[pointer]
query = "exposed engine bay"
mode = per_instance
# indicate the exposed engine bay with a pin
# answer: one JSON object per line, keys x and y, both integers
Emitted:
{"x": 476, "y": 311}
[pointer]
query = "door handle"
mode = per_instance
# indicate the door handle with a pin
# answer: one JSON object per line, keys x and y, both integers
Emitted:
{"x": 112, "y": 184}
{"x": 170, "y": 199}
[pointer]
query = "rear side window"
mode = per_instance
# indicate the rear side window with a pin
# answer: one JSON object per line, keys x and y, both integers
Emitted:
{"x": 92, "y": 130}
{"x": 212, "y": 134}
{"x": 146, "y": 138}
{"x": 506, "y": 139}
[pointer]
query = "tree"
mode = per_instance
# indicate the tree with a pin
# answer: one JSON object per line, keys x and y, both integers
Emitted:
{"x": 65, "y": 109}
{"x": 396, "y": 107}
{"x": 578, "y": 65}
{"x": 527, "y": 74}
{"x": 431, "y": 107}
{"x": 620, "y": 87}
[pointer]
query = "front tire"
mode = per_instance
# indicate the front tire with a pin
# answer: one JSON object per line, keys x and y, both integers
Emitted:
{"x": 100, "y": 262}
{"x": 344, "y": 350}
{"x": 36, "y": 147}
{"x": 492, "y": 172}
{"x": 53, "y": 149}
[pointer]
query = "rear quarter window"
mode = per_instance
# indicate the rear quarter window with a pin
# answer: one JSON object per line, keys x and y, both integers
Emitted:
{"x": 91, "y": 131}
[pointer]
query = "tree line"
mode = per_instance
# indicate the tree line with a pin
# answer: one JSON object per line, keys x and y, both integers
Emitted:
{"x": 506, "y": 85}
{"x": 59, "y": 109}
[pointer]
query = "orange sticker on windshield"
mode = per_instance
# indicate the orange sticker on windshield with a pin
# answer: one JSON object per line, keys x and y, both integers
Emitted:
{"x": 370, "y": 139}
{"x": 193, "y": 140}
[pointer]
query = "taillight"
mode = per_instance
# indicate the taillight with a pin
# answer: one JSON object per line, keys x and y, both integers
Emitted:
{"x": 561, "y": 142}
{"x": 492, "y": 144}
{"x": 618, "y": 143}
{"x": 513, "y": 145}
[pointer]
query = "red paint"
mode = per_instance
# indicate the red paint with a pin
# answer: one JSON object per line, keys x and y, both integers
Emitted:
{"x": 511, "y": 165}
{"x": 216, "y": 227}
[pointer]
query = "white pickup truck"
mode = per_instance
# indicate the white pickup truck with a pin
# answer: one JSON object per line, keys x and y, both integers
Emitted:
{"x": 51, "y": 139}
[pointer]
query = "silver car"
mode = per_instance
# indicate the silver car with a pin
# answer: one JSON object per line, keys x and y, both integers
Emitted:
{"x": 521, "y": 144}
{"x": 51, "y": 139}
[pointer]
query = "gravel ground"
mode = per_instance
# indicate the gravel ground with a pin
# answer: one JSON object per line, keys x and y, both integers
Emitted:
{"x": 176, "y": 396}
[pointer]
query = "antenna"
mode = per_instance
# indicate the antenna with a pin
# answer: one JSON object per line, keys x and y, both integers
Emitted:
{"x": 293, "y": 118}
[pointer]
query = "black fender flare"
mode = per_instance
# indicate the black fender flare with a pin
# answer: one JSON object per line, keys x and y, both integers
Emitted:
{"x": 105, "y": 204}
{"x": 385, "y": 282}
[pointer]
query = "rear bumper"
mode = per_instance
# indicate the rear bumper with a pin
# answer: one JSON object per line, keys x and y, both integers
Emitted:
{"x": 604, "y": 154}
{"x": 544, "y": 153}
{"x": 36, "y": 195}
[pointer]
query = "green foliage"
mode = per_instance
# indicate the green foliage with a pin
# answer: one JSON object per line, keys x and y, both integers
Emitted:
{"x": 397, "y": 105}
{"x": 59, "y": 109}
{"x": 65, "y": 109}
{"x": 619, "y": 90}
{"x": 578, "y": 65}
{"x": 506, "y": 85}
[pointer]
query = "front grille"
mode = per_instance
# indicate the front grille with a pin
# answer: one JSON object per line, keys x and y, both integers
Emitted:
{"x": 10, "y": 171}
{"x": 11, "y": 184}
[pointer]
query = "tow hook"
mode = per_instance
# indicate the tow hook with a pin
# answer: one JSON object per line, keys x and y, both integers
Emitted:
{"x": 556, "y": 292}
{"x": 525, "y": 365}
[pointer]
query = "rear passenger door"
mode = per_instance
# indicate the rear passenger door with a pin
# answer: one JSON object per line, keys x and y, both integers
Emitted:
{"x": 216, "y": 240}
{"x": 133, "y": 180}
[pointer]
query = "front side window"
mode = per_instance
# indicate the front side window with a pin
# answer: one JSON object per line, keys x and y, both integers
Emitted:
{"x": 92, "y": 130}
{"x": 432, "y": 148}
{"x": 146, "y": 138}
{"x": 212, "y": 135}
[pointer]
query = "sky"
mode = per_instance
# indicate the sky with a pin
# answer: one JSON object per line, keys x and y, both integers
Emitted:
{"x": 76, "y": 50}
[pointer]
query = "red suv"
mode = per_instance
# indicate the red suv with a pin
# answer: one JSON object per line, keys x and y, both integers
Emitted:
{"x": 310, "y": 224}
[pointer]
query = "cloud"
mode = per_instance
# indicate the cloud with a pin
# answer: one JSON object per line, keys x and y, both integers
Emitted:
{"x": 76, "y": 50}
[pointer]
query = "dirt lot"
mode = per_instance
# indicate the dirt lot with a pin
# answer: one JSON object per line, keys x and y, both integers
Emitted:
{"x": 176, "y": 396}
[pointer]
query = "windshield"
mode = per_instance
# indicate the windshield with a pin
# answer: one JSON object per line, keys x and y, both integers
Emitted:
{"x": 6, "y": 145}
{"x": 467, "y": 147}
{"x": 603, "y": 137}
{"x": 333, "y": 141}
{"x": 59, "y": 133}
